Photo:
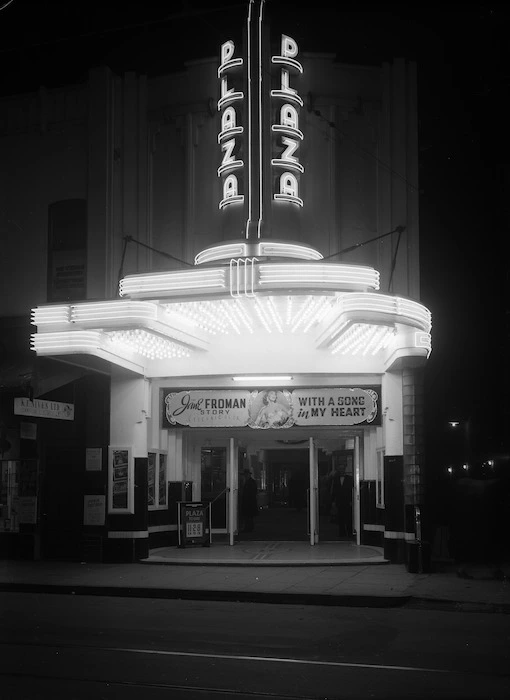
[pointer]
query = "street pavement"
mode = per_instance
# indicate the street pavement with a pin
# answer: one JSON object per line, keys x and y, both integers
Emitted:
{"x": 278, "y": 572}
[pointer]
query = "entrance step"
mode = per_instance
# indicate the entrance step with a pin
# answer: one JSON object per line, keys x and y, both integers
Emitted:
{"x": 270, "y": 553}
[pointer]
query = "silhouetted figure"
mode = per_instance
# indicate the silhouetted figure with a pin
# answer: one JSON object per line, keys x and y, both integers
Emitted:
{"x": 249, "y": 506}
{"x": 341, "y": 492}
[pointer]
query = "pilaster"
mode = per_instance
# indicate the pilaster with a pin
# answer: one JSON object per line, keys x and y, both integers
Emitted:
{"x": 128, "y": 534}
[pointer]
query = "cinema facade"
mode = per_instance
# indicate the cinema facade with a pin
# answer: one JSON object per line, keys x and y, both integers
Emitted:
{"x": 244, "y": 293}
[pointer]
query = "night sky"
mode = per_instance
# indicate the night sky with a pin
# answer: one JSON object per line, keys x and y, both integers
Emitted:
{"x": 463, "y": 88}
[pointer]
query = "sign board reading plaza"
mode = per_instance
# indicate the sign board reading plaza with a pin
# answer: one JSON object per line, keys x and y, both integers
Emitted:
{"x": 271, "y": 408}
{"x": 43, "y": 409}
{"x": 286, "y": 105}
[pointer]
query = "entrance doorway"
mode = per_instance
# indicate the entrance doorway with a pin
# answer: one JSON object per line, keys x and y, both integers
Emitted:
{"x": 283, "y": 492}
{"x": 283, "y": 481}
{"x": 213, "y": 480}
{"x": 336, "y": 496}
{"x": 306, "y": 487}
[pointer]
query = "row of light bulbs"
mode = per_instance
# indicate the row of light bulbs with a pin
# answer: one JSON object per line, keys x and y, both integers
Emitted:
{"x": 234, "y": 315}
{"x": 225, "y": 316}
{"x": 148, "y": 345}
{"x": 363, "y": 338}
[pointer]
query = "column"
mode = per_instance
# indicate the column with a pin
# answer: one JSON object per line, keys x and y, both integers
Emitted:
{"x": 127, "y": 528}
{"x": 394, "y": 513}
{"x": 414, "y": 450}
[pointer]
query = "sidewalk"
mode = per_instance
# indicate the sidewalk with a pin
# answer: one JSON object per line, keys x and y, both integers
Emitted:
{"x": 270, "y": 573}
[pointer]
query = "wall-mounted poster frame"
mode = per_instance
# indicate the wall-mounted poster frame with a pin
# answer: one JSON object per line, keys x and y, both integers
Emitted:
{"x": 157, "y": 484}
{"x": 120, "y": 479}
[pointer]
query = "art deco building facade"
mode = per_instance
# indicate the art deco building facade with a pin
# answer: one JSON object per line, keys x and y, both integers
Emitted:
{"x": 206, "y": 271}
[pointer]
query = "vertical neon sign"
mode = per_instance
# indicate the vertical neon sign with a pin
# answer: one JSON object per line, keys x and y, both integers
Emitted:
{"x": 287, "y": 128}
{"x": 270, "y": 138}
{"x": 231, "y": 130}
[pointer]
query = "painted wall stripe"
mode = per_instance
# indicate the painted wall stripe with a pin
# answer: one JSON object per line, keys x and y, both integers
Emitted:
{"x": 162, "y": 528}
{"x": 392, "y": 535}
{"x": 128, "y": 535}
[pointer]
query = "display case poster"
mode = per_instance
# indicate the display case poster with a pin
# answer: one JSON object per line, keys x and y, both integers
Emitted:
{"x": 162, "y": 490}
{"x": 94, "y": 510}
{"x": 151, "y": 479}
{"x": 93, "y": 459}
{"x": 28, "y": 431}
{"x": 194, "y": 524}
{"x": 28, "y": 476}
{"x": 120, "y": 495}
{"x": 27, "y": 510}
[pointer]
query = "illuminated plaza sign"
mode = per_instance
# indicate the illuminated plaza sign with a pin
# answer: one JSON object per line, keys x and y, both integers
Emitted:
{"x": 289, "y": 136}
{"x": 249, "y": 108}
{"x": 230, "y": 105}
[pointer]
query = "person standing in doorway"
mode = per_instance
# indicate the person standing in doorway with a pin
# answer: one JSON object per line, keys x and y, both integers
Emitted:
{"x": 342, "y": 496}
{"x": 249, "y": 506}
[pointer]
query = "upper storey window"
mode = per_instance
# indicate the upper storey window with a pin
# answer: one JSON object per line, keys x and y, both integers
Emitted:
{"x": 67, "y": 250}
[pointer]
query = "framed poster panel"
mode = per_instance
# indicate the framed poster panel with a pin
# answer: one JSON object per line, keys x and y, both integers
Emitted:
{"x": 151, "y": 480}
{"x": 120, "y": 480}
{"x": 162, "y": 481}
{"x": 157, "y": 488}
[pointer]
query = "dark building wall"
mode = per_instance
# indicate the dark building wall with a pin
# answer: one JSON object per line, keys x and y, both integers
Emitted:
{"x": 414, "y": 435}
{"x": 395, "y": 523}
{"x": 62, "y": 479}
{"x": 43, "y": 139}
{"x": 143, "y": 153}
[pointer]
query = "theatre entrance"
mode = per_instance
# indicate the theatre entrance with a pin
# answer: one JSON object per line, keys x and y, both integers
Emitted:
{"x": 306, "y": 489}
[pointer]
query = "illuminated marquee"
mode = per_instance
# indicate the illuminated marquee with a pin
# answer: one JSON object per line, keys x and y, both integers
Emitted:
{"x": 231, "y": 130}
{"x": 271, "y": 408}
{"x": 287, "y": 131}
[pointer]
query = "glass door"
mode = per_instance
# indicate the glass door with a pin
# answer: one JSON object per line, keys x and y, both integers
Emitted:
{"x": 357, "y": 466}
{"x": 213, "y": 472}
{"x": 313, "y": 492}
{"x": 233, "y": 489}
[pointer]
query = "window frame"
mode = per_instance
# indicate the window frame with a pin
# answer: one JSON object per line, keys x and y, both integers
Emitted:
{"x": 160, "y": 460}
{"x": 114, "y": 465}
